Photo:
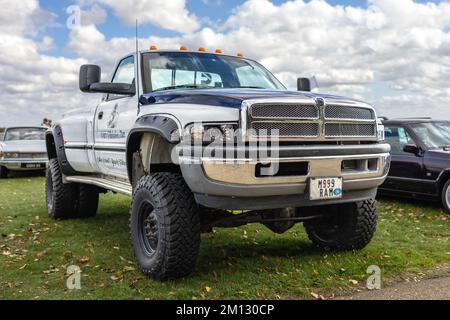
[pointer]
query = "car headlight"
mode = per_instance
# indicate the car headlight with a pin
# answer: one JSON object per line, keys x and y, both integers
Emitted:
{"x": 208, "y": 133}
{"x": 2, "y": 155}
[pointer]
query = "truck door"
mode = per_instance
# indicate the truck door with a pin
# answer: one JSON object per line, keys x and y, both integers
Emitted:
{"x": 406, "y": 173}
{"x": 113, "y": 120}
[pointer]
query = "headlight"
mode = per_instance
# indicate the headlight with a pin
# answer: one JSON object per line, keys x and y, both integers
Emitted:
{"x": 208, "y": 133}
{"x": 2, "y": 155}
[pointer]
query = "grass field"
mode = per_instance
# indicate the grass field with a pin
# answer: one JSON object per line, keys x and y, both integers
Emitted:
{"x": 242, "y": 263}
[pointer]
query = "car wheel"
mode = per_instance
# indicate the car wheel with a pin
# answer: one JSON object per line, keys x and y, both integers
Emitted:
{"x": 61, "y": 198}
{"x": 87, "y": 201}
{"x": 446, "y": 196}
{"x": 164, "y": 227}
{"x": 3, "y": 172}
{"x": 344, "y": 227}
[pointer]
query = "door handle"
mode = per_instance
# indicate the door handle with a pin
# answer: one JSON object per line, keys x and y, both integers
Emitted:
{"x": 100, "y": 115}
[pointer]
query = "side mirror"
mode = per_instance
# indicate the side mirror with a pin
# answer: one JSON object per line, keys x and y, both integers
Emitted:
{"x": 303, "y": 84}
{"x": 89, "y": 74}
{"x": 412, "y": 148}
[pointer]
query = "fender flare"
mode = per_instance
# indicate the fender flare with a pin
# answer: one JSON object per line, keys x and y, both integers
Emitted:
{"x": 443, "y": 177}
{"x": 54, "y": 141}
{"x": 162, "y": 125}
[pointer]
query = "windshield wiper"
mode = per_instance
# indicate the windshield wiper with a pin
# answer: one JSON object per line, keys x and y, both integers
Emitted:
{"x": 248, "y": 87}
{"x": 184, "y": 86}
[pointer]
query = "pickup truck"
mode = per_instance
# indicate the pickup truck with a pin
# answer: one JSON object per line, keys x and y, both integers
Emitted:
{"x": 202, "y": 140}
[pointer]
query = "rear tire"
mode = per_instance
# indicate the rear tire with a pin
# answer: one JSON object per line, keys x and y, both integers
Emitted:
{"x": 61, "y": 198}
{"x": 445, "y": 196}
{"x": 344, "y": 227}
{"x": 164, "y": 227}
{"x": 87, "y": 202}
{"x": 3, "y": 172}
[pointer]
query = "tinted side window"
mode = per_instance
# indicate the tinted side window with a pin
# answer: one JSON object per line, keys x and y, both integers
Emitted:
{"x": 397, "y": 137}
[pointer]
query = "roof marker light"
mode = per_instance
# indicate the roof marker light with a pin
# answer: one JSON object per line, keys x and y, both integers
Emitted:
{"x": 202, "y": 49}
{"x": 184, "y": 48}
{"x": 240, "y": 55}
{"x": 219, "y": 51}
{"x": 153, "y": 47}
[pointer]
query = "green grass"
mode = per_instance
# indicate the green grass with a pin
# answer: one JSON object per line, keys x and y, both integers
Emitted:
{"x": 242, "y": 263}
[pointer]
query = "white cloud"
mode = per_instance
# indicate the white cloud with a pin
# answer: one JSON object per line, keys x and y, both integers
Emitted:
{"x": 167, "y": 14}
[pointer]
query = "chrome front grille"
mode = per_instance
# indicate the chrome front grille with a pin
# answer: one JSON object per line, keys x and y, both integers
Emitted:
{"x": 308, "y": 121}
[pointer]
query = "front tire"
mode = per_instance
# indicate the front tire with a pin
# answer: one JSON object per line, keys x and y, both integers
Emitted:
{"x": 164, "y": 227}
{"x": 445, "y": 196}
{"x": 61, "y": 198}
{"x": 344, "y": 227}
{"x": 3, "y": 172}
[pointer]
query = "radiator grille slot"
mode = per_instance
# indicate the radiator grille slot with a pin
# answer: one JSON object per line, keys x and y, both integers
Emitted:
{"x": 346, "y": 112}
{"x": 289, "y": 129}
{"x": 349, "y": 130}
{"x": 284, "y": 111}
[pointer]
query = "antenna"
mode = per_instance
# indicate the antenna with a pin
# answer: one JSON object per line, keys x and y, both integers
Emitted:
{"x": 137, "y": 67}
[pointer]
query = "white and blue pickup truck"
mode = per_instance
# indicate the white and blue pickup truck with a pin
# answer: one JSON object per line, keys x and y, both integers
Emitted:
{"x": 202, "y": 140}
{"x": 22, "y": 149}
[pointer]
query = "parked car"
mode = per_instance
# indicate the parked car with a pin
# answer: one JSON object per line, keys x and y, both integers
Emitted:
{"x": 22, "y": 149}
{"x": 329, "y": 155}
{"x": 420, "y": 166}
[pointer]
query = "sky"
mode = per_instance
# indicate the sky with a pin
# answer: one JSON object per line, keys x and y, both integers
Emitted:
{"x": 392, "y": 54}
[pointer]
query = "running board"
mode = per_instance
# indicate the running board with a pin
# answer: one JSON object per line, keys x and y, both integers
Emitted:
{"x": 115, "y": 186}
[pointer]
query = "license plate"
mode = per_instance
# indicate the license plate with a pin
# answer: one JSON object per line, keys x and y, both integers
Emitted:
{"x": 325, "y": 188}
{"x": 33, "y": 165}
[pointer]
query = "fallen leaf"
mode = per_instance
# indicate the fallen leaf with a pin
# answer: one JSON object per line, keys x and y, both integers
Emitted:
{"x": 315, "y": 295}
{"x": 42, "y": 253}
{"x": 84, "y": 260}
{"x": 207, "y": 289}
{"x": 353, "y": 281}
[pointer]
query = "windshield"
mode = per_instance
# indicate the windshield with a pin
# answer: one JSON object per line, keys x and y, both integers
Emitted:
{"x": 434, "y": 135}
{"x": 25, "y": 134}
{"x": 181, "y": 70}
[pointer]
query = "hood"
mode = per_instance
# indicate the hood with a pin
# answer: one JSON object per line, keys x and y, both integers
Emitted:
{"x": 439, "y": 154}
{"x": 24, "y": 146}
{"x": 232, "y": 98}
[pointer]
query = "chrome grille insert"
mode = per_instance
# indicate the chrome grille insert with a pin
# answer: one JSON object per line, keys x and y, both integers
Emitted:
{"x": 284, "y": 111}
{"x": 350, "y": 130}
{"x": 347, "y": 112}
{"x": 285, "y": 129}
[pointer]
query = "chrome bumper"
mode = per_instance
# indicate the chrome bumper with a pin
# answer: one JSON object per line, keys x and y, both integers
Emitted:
{"x": 24, "y": 164}
{"x": 236, "y": 181}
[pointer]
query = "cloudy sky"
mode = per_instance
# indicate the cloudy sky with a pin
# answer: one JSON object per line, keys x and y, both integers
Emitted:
{"x": 394, "y": 54}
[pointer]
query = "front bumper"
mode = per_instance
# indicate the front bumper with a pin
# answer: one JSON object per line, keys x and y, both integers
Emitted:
{"x": 24, "y": 164}
{"x": 225, "y": 184}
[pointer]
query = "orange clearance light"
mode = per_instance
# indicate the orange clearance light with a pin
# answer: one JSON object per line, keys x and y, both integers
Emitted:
{"x": 184, "y": 48}
{"x": 219, "y": 51}
{"x": 240, "y": 55}
{"x": 202, "y": 49}
{"x": 153, "y": 47}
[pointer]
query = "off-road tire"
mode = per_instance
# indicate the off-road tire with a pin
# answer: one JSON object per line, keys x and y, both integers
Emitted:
{"x": 3, "y": 172}
{"x": 344, "y": 227}
{"x": 87, "y": 201}
{"x": 164, "y": 226}
{"x": 445, "y": 196}
{"x": 61, "y": 198}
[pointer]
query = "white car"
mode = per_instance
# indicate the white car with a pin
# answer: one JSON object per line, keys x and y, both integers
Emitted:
{"x": 22, "y": 149}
